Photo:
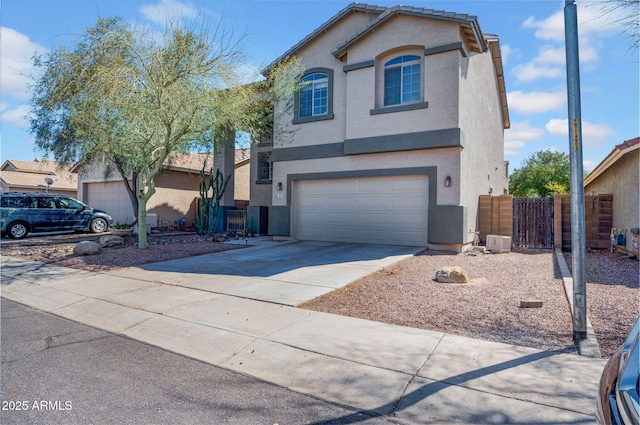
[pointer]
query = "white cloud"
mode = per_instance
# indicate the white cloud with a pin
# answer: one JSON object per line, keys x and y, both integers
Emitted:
{"x": 536, "y": 102}
{"x": 518, "y": 135}
{"x": 168, "y": 11}
{"x": 17, "y": 51}
{"x": 16, "y": 116}
{"x": 505, "y": 52}
{"x": 588, "y": 165}
{"x": 551, "y": 55}
{"x": 551, "y": 59}
{"x": 550, "y": 28}
{"x": 593, "y": 135}
{"x": 530, "y": 72}
{"x": 591, "y": 21}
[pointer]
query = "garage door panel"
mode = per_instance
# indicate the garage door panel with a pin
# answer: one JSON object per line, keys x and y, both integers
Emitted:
{"x": 408, "y": 183}
{"x": 341, "y": 187}
{"x": 413, "y": 202}
{"x": 373, "y": 202}
{"x": 385, "y": 210}
{"x": 338, "y": 202}
{"x": 342, "y": 219}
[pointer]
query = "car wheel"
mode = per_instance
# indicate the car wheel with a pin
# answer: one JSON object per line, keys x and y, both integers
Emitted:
{"x": 98, "y": 225}
{"x": 17, "y": 230}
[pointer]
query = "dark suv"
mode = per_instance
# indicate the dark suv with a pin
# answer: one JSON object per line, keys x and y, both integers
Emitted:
{"x": 26, "y": 212}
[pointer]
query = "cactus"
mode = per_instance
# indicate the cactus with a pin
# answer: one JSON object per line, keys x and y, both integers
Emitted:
{"x": 209, "y": 207}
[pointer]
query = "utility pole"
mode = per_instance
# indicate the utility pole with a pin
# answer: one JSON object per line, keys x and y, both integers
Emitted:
{"x": 577, "y": 180}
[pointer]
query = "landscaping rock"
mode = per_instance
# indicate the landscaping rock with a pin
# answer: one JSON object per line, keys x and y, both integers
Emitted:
{"x": 87, "y": 248}
{"x": 452, "y": 275}
{"x": 109, "y": 241}
{"x": 531, "y": 303}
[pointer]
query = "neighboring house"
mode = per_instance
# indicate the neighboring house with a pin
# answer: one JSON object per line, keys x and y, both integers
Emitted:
{"x": 33, "y": 176}
{"x": 397, "y": 133}
{"x": 177, "y": 190}
{"x": 617, "y": 174}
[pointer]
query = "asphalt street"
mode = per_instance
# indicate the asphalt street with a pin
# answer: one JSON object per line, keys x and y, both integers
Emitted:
{"x": 56, "y": 371}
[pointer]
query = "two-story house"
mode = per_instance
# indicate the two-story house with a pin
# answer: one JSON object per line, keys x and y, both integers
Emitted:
{"x": 395, "y": 134}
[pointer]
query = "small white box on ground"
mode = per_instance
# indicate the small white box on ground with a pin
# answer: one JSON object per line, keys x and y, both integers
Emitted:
{"x": 152, "y": 219}
{"x": 497, "y": 243}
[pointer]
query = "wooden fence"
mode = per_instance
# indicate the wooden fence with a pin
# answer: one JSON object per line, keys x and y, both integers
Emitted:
{"x": 544, "y": 222}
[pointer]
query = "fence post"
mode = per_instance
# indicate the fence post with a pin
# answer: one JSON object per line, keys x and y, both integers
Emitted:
{"x": 557, "y": 221}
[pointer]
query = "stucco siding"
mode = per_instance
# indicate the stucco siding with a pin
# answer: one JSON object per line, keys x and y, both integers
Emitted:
{"x": 482, "y": 159}
{"x": 175, "y": 196}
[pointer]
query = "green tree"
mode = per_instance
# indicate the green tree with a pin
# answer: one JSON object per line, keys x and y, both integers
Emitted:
{"x": 544, "y": 173}
{"x": 130, "y": 99}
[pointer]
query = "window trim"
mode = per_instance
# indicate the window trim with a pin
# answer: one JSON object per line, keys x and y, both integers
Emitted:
{"x": 297, "y": 119}
{"x": 261, "y": 159}
{"x": 403, "y": 60}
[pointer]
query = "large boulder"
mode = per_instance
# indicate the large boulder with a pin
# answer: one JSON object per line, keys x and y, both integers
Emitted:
{"x": 452, "y": 275}
{"x": 87, "y": 248}
{"x": 108, "y": 241}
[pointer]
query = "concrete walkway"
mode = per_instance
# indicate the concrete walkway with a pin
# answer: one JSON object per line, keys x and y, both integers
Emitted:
{"x": 235, "y": 310}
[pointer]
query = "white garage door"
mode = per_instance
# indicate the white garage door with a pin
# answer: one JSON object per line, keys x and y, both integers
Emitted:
{"x": 381, "y": 210}
{"x": 111, "y": 197}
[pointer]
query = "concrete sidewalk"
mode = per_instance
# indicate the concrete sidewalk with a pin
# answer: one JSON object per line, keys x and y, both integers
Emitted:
{"x": 212, "y": 308}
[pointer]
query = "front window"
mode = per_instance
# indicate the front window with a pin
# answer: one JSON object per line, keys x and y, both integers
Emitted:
{"x": 402, "y": 80}
{"x": 314, "y": 95}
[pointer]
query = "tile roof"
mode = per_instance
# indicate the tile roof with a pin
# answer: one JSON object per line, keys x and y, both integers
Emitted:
{"x": 32, "y": 174}
{"x": 193, "y": 162}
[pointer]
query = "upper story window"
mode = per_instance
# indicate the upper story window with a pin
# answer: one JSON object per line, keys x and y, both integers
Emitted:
{"x": 314, "y": 95}
{"x": 265, "y": 167}
{"x": 402, "y": 80}
{"x": 314, "y": 101}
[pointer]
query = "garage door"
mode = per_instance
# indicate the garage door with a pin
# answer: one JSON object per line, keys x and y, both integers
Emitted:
{"x": 381, "y": 210}
{"x": 111, "y": 197}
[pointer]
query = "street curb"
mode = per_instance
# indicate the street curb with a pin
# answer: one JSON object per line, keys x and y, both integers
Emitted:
{"x": 588, "y": 347}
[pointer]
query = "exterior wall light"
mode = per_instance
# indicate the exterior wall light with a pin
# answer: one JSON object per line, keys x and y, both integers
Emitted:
{"x": 447, "y": 181}
{"x": 279, "y": 185}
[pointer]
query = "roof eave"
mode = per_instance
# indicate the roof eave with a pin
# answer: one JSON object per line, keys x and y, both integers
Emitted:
{"x": 618, "y": 152}
{"x": 353, "y": 7}
{"x": 470, "y": 27}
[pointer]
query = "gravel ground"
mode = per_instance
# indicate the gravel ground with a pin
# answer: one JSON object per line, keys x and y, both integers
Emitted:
{"x": 613, "y": 298}
{"x": 406, "y": 294}
{"x": 487, "y": 308}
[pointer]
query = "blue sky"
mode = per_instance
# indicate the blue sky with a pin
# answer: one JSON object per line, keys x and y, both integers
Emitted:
{"x": 531, "y": 37}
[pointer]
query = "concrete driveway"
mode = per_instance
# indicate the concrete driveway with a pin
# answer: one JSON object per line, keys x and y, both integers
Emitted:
{"x": 287, "y": 273}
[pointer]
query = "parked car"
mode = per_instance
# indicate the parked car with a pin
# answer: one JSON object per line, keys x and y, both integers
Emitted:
{"x": 22, "y": 213}
{"x": 618, "y": 400}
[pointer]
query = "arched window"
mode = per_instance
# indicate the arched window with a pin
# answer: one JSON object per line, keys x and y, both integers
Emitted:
{"x": 314, "y": 96}
{"x": 402, "y": 80}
